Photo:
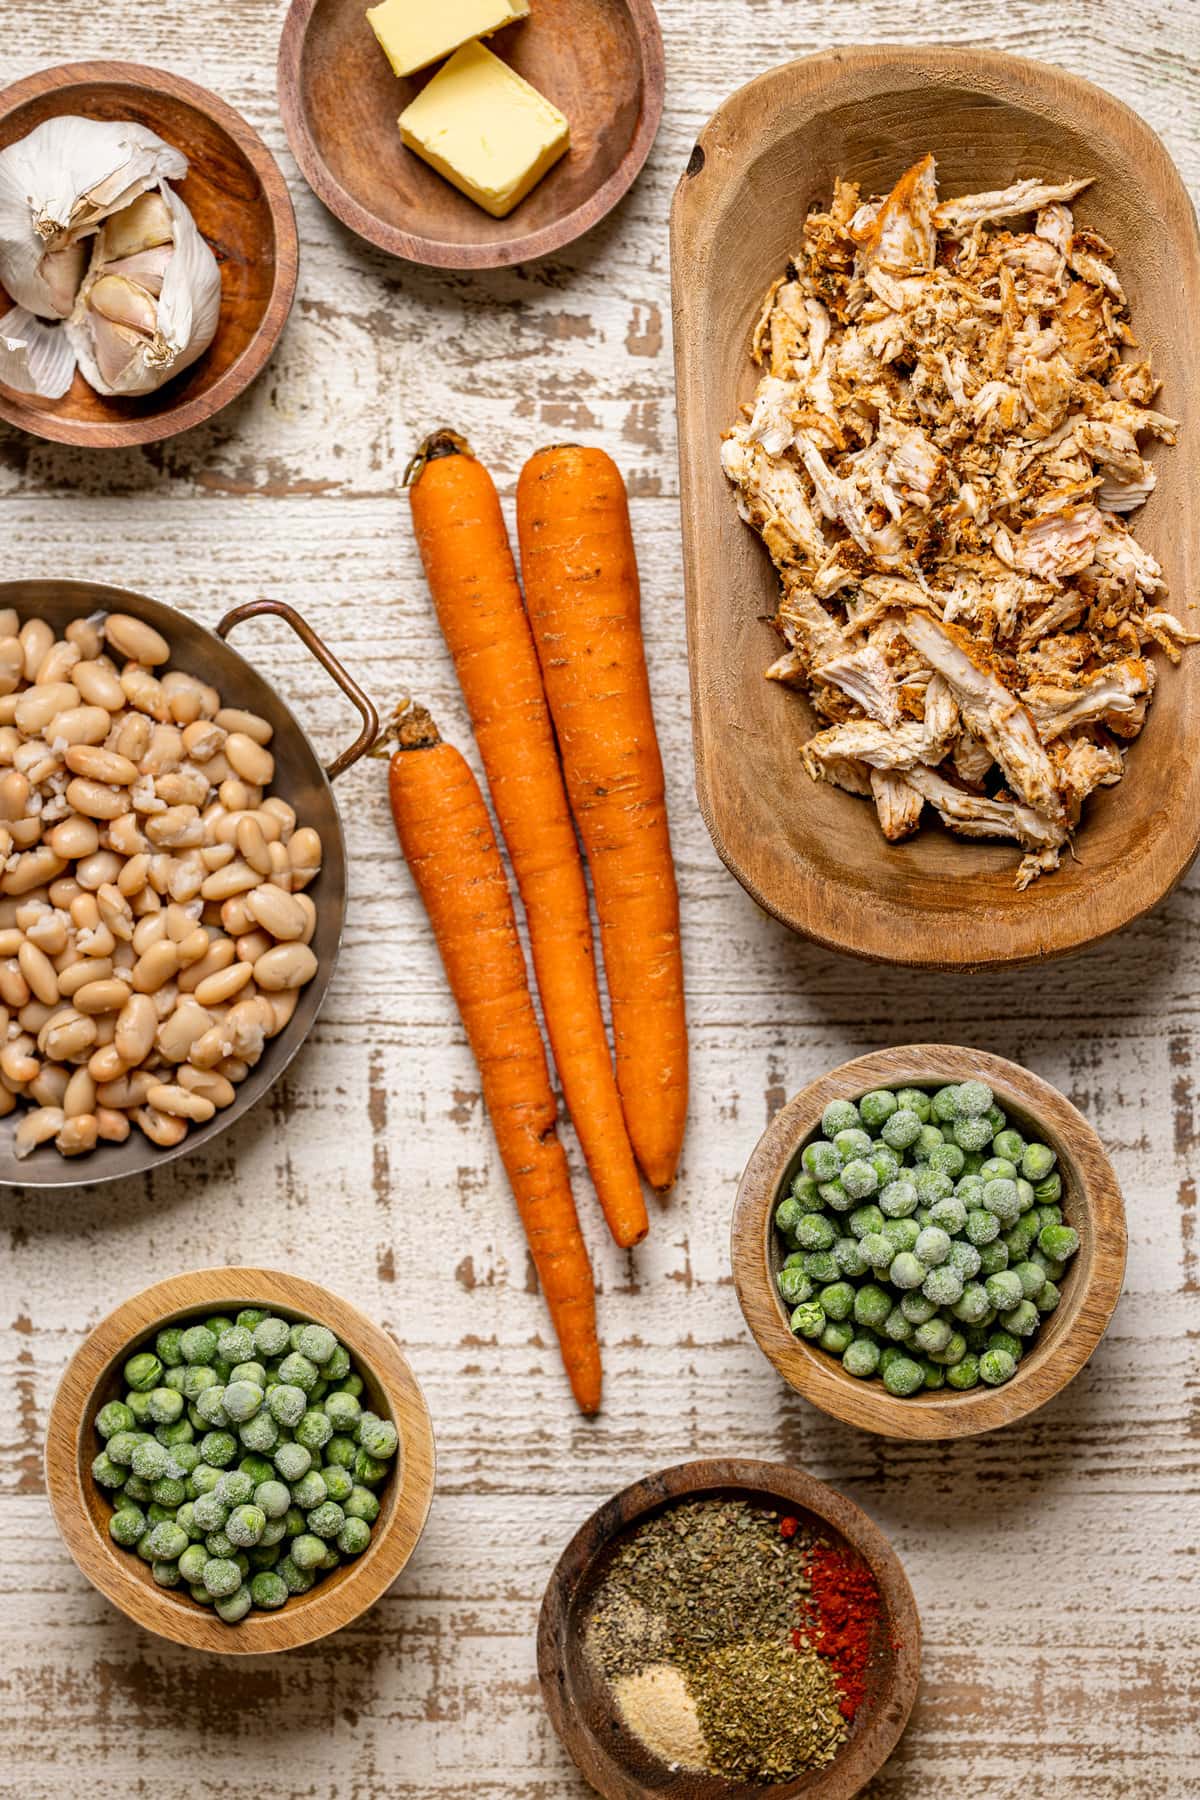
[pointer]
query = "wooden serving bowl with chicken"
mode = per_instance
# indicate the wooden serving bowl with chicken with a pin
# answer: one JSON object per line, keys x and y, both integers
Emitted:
{"x": 931, "y": 347}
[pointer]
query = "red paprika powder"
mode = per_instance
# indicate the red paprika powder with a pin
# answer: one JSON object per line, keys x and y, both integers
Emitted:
{"x": 843, "y": 1610}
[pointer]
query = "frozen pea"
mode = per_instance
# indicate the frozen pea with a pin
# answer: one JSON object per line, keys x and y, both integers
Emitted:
{"x": 220, "y": 1546}
{"x": 287, "y": 1404}
{"x": 176, "y": 1437}
{"x": 993, "y": 1257}
{"x": 218, "y": 1448}
{"x": 197, "y": 1377}
{"x": 201, "y": 1595}
{"x": 971, "y": 1134}
{"x": 362, "y": 1504}
{"x": 964, "y": 1374}
{"x": 852, "y": 1143}
{"x": 297, "y": 1370}
{"x": 167, "y": 1542}
{"x": 310, "y": 1490}
{"x": 1006, "y": 1341}
{"x": 250, "y": 1317}
{"x": 837, "y": 1302}
{"x": 292, "y": 1461}
{"x": 836, "y": 1337}
{"x": 1022, "y": 1319}
{"x": 339, "y": 1483}
{"x": 897, "y": 1327}
{"x": 877, "y": 1107}
{"x": 907, "y": 1270}
{"x": 198, "y": 1344}
{"x": 865, "y": 1219}
{"x": 877, "y": 1250}
{"x": 949, "y": 1215}
{"x": 307, "y": 1551}
{"x": 192, "y": 1563}
{"x": 121, "y": 1446}
{"x": 946, "y": 1159}
{"x": 264, "y": 1555}
{"x": 932, "y": 1246}
{"x": 371, "y": 1470}
{"x": 168, "y": 1491}
{"x": 814, "y": 1232}
{"x": 165, "y": 1405}
{"x": 259, "y": 1434}
{"x": 166, "y": 1347}
{"x": 143, "y": 1372}
{"x": 818, "y": 1265}
{"x": 211, "y": 1406}
{"x": 932, "y": 1376}
{"x": 139, "y": 1404}
{"x": 1058, "y": 1242}
{"x": 128, "y": 1525}
{"x": 269, "y": 1590}
{"x": 821, "y": 1160}
{"x": 1030, "y": 1278}
{"x": 859, "y": 1178}
{"x": 1025, "y": 1193}
{"x": 1046, "y": 1299}
{"x": 969, "y": 1189}
{"x": 150, "y": 1459}
{"x": 185, "y": 1519}
{"x": 1020, "y": 1238}
{"x": 271, "y": 1336}
{"x": 326, "y": 1520}
{"x": 1000, "y": 1197}
{"x": 1004, "y": 1290}
{"x": 996, "y": 1367}
{"x": 242, "y": 1400}
{"x": 1037, "y": 1161}
{"x": 902, "y": 1130}
{"x": 353, "y": 1537}
{"x": 981, "y": 1226}
{"x": 861, "y": 1358}
{"x": 847, "y": 1253}
{"x": 257, "y": 1467}
{"x": 943, "y": 1285}
{"x": 902, "y": 1232}
{"x": 209, "y": 1511}
{"x": 114, "y": 1419}
{"x": 834, "y": 1195}
{"x": 927, "y": 1142}
{"x": 932, "y": 1186}
{"x": 898, "y": 1199}
{"x": 1049, "y": 1191}
{"x": 973, "y": 1100}
{"x": 245, "y": 1525}
{"x": 998, "y": 1168}
{"x": 273, "y": 1532}
{"x": 872, "y": 1304}
{"x": 803, "y": 1190}
{"x": 903, "y": 1376}
{"x": 1009, "y": 1144}
{"x": 165, "y": 1573}
{"x": 794, "y": 1288}
{"x": 944, "y": 1106}
{"x": 273, "y": 1498}
{"x": 914, "y": 1100}
{"x": 236, "y": 1344}
{"x": 933, "y": 1335}
{"x": 235, "y": 1606}
{"x": 316, "y": 1342}
{"x": 205, "y": 1477}
{"x": 952, "y": 1352}
{"x": 249, "y": 1371}
{"x": 788, "y": 1214}
{"x": 916, "y": 1308}
{"x": 807, "y": 1321}
{"x": 973, "y": 1304}
{"x": 296, "y": 1579}
{"x": 839, "y": 1115}
{"x": 885, "y": 1162}
{"x": 221, "y": 1576}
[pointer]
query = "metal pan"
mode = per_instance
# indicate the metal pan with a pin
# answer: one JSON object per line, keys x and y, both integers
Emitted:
{"x": 299, "y": 779}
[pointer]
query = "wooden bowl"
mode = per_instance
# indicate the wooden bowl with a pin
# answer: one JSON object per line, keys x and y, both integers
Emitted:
{"x": 599, "y": 61}
{"x": 1066, "y": 1338}
{"x": 241, "y": 207}
{"x": 807, "y": 852}
{"x": 82, "y": 1510}
{"x": 578, "y": 1701}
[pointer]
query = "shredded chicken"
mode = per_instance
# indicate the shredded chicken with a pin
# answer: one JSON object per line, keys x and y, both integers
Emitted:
{"x": 941, "y": 458}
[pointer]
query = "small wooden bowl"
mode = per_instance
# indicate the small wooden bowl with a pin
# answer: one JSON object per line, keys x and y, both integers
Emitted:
{"x": 1066, "y": 1338}
{"x": 578, "y": 1701}
{"x": 242, "y": 209}
{"x": 82, "y": 1510}
{"x": 807, "y": 852}
{"x": 599, "y": 61}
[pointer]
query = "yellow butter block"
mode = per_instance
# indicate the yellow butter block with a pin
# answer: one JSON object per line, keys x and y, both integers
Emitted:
{"x": 486, "y": 129}
{"x": 415, "y": 33}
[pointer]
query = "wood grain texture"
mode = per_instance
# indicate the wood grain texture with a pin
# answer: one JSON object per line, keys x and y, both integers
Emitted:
{"x": 82, "y": 1510}
{"x": 599, "y": 61}
{"x": 1065, "y": 1340}
{"x": 809, "y": 852}
{"x": 580, "y": 1702}
{"x": 1054, "y": 1562}
{"x": 240, "y": 203}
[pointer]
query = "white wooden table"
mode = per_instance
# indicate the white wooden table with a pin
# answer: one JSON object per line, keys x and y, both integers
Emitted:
{"x": 1055, "y": 1564}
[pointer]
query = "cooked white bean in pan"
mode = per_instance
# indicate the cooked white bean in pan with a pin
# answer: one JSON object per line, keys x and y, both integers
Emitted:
{"x": 153, "y": 929}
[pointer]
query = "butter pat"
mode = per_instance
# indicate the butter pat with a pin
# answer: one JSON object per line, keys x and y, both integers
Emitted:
{"x": 415, "y": 33}
{"x": 486, "y": 129}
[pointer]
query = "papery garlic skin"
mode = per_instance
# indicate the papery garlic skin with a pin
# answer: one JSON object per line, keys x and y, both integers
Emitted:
{"x": 57, "y": 184}
{"x": 132, "y": 334}
{"x": 35, "y": 358}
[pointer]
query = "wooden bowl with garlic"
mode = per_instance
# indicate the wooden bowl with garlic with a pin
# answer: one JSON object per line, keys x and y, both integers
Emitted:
{"x": 148, "y": 254}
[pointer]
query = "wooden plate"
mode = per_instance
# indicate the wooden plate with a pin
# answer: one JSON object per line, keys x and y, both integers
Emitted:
{"x": 599, "y": 61}
{"x": 810, "y": 854}
{"x": 581, "y": 1708}
{"x": 242, "y": 208}
{"x": 82, "y": 1511}
{"x": 1090, "y": 1289}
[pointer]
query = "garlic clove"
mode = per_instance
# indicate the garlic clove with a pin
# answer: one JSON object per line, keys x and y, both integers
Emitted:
{"x": 114, "y": 348}
{"x": 147, "y": 268}
{"x": 62, "y": 271}
{"x": 145, "y": 225}
{"x": 122, "y": 302}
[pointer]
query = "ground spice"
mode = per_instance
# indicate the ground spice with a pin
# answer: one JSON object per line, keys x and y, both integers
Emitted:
{"x": 767, "y": 1710}
{"x": 840, "y": 1615}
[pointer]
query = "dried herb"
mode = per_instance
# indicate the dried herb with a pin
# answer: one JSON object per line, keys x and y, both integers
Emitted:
{"x": 767, "y": 1710}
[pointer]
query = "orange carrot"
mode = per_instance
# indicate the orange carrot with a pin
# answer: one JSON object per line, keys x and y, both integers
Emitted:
{"x": 448, "y": 842}
{"x": 581, "y": 590}
{"x": 473, "y": 580}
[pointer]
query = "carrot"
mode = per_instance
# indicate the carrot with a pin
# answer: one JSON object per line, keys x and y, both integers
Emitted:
{"x": 581, "y": 591}
{"x": 448, "y": 842}
{"x": 465, "y": 549}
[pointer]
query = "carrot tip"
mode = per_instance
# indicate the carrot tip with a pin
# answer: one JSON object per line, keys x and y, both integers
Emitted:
{"x": 442, "y": 442}
{"x": 411, "y": 727}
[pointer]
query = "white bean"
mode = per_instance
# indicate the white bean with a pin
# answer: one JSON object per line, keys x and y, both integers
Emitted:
{"x": 136, "y": 640}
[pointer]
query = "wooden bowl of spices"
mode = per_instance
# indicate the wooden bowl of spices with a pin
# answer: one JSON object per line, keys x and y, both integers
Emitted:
{"x": 96, "y": 1376}
{"x": 728, "y": 1627}
{"x": 1089, "y": 1200}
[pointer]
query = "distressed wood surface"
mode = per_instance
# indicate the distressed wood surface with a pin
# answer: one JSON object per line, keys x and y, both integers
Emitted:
{"x": 1054, "y": 1563}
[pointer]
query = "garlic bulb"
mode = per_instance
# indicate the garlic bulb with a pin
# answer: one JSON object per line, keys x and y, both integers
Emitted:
{"x": 151, "y": 300}
{"x": 56, "y": 186}
{"x": 35, "y": 358}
